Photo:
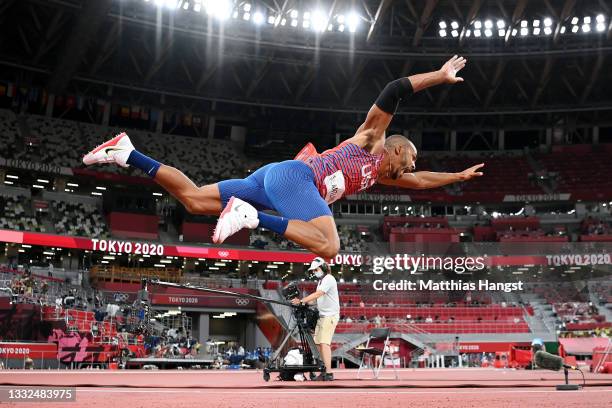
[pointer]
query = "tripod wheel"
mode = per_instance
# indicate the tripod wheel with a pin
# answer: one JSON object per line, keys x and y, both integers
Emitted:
{"x": 266, "y": 376}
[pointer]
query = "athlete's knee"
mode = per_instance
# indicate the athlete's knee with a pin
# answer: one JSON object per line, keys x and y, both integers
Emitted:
{"x": 328, "y": 248}
{"x": 202, "y": 200}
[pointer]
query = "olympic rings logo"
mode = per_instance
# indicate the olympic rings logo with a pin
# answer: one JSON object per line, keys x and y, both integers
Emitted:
{"x": 242, "y": 302}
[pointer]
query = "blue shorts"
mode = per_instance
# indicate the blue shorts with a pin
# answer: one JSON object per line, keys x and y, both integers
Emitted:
{"x": 287, "y": 187}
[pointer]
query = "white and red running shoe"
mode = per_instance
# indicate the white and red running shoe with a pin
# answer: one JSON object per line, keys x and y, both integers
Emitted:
{"x": 117, "y": 150}
{"x": 236, "y": 215}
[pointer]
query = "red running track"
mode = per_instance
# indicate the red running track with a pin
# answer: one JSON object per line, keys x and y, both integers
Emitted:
{"x": 433, "y": 387}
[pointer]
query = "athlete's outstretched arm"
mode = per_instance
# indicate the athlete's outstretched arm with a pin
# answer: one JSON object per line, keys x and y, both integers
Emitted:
{"x": 382, "y": 111}
{"x": 422, "y": 180}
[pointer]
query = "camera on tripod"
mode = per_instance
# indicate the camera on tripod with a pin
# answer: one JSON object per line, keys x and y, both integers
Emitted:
{"x": 290, "y": 291}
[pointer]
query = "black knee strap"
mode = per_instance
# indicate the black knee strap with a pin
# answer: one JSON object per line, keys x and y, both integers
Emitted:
{"x": 393, "y": 93}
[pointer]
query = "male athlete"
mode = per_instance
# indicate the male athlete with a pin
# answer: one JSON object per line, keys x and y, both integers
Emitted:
{"x": 301, "y": 190}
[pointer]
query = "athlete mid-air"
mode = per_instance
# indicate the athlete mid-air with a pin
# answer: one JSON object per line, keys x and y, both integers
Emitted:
{"x": 301, "y": 190}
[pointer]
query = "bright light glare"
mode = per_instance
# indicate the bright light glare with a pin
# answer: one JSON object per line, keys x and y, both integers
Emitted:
{"x": 547, "y": 22}
{"x": 442, "y": 33}
{"x": 488, "y": 24}
{"x": 476, "y": 33}
{"x": 524, "y": 31}
{"x": 319, "y": 21}
{"x": 600, "y": 18}
{"x": 442, "y": 24}
{"x": 477, "y": 24}
{"x": 575, "y": 20}
{"x": 352, "y": 22}
{"x": 586, "y": 28}
{"x": 587, "y": 20}
{"x": 488, "y": 32}
{"x": 455, "y": 33}
{"x": 548, "y": 30}
{"x": 294, "y": 14}
{"x": 221, "y": 9}
{"x": 601, "y": 27}
{"x": 501, "y": 24}
{"x": 258, "y": 18}
{"x": 455, "y": 25}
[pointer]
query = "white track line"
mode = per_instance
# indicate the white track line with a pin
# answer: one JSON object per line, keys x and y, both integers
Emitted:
{"x": 331, "y": 392}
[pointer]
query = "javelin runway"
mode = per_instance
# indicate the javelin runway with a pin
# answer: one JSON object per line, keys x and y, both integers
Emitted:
{"x": 435, "y": 387}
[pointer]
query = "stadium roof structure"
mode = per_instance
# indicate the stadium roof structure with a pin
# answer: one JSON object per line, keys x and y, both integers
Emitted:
{"x": 531, "y": 63}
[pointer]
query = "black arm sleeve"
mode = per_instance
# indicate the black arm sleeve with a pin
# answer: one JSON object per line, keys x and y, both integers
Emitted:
{"x": 394, "y": 92}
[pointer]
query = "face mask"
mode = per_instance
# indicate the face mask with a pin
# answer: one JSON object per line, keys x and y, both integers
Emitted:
{"x": 318, "y": 274}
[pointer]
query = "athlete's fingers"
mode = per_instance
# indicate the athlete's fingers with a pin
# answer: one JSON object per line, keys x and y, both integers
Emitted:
{"x": 459, "y": 79}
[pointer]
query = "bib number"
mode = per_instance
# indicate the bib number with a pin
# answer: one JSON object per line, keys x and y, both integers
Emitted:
{"x": 334, "y": 184}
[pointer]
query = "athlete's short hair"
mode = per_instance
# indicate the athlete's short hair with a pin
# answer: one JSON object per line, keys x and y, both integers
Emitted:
{"x": 399, "y": 140}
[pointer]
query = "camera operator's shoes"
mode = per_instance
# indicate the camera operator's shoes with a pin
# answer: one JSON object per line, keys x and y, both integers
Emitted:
{"x": 324, "y": 377}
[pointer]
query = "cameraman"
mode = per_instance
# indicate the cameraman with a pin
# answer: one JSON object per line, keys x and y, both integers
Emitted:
{"x": 328, "y": 304}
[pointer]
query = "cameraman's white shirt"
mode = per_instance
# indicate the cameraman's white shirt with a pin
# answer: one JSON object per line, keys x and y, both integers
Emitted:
{"x": 329, "y": 303}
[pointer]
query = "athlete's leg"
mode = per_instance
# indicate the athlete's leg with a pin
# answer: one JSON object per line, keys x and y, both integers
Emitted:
{"x": 197, "y": 200}
{"x": 306, "y": 218}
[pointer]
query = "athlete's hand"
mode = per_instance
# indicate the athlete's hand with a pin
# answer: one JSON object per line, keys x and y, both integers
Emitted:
{"x": 450, "y": 69}
{"x": 295, "y": 301}
{"x": 470, "y": 173}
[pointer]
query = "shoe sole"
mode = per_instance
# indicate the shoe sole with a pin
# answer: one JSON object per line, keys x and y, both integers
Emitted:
{"x": 227, "y": 209}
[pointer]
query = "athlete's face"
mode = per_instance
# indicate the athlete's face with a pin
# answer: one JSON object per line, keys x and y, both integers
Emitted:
{"x": 401, "y": 160}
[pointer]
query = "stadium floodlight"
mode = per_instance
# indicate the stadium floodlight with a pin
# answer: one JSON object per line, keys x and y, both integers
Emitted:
{"x": 536, "y": 23}
{"x": 501, "y": 32}
{"x": 306, "y": 24}
{"x": 442, "y": 24}
{"x": 330, "y": 27}
{"x": 524, "y": 31}
{"x": 587, "y": 20}
{"x": 477, "y": 24}
{"x": 294, "y": 14}
{"x": 501, "y": 24}
{"x": 524, "y": 24}
{"x": 271, "y": 19}
{"x": 468, "y": 33}
{"x": 294, "y": 23}
{"x": 341, "y": 28}
{"x": 186, "y": 5}
{"x": 575, "y": 29}
{"x": 586, "y": 28}
{"x": 220, "y": 9}
{"x": 283, "y": 22}
{"x": 246, "y": 16}
{"x": 562, "y": 30}
{"x": 319, "y": 21}
{"x": 548, "y": 30}
{"x": 442, "y": 33}
{"x": 601, "y": 27}
{"x": 455, "y": 25}
{"x": 235, "y": 15}
{"x": 197, "y": 7}
{"x": 247, "y": 7}
{"x": 340, "y": 18}
{"x": 455, "y": 33}
{"x": 476, "y": 33}
{"x": 600, "y": 18}
{"x": 536, "y": 31}
{"x": 488, "y": 24}
{"x": 514, "y": 32}
{"x": 352, "y": 22}
{"x": 258, "y": 18}
{"x": 488, "y": 33}
{"x": 575, "y": 20}
{"x": 547, "y": 22}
